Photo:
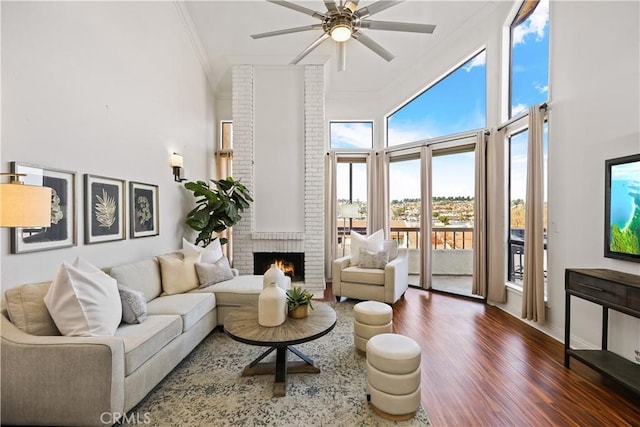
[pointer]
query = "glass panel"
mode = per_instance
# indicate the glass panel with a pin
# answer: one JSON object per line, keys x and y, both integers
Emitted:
{"x": 406, "y": 210}
{"x": 453, "y": 188}
{"x": 351, "y": 189}
{"x": 351, "y": 135}
{"x": 457, "y": 103}
{"x": 529, "y": 82}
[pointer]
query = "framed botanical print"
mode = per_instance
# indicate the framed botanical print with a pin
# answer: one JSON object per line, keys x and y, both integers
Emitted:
{"x": 104, "y": 212}
{"x": 143, "y": 212}
{"x": 62, "y": 231}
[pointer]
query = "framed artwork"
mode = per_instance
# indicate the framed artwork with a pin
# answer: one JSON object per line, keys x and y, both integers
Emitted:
{"x": 143, "y": 212}
{"x": 62, "y": 232}
{"x": 104, "y": 212}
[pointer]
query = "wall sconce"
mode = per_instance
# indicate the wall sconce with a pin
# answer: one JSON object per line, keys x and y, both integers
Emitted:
{"x": 177, "y": 164}
{"x": 24, "y": 205}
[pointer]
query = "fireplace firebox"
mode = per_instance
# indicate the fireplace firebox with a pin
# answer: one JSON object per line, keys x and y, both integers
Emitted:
{"x": 292, "y": 263}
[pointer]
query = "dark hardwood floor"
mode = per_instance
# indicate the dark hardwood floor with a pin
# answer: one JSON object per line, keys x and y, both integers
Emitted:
{"x": 483, "y": 367}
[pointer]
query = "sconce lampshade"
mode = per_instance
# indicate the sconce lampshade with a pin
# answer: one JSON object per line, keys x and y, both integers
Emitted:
{"x": 176, "y": 160}
{"x": 24, "y": 205}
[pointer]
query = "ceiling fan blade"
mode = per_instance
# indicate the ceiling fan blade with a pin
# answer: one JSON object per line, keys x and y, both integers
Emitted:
{"x": 331, "y": 5}
{"x": 298, "y": 8}
{"x": 398, "y": 26}
{"x": 342, "y": 55}
{"x": 286, "y": 31}
{"x": 376, "y": 7}
{"x": 351, "y": 5}
{"x": 368, "y": 42}
{"x": 308, "y": 50}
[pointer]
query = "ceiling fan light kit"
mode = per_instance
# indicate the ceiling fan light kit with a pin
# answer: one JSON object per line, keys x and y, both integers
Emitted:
{"x": 343, "y": 21}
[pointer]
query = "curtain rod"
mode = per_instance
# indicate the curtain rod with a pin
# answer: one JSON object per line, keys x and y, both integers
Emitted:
{"x": 424, "y": 143}
{"x": 543, "y": 106}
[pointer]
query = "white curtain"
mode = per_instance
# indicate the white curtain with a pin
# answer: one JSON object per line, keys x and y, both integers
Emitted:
{"x": 378, "y": 193}
{"x": 331, "y": 226}
{"x": 479, "y": 286}
{"x": 425, "y": 217}
{"x": 497, "y": 202}
{"x": 533, "y": 283}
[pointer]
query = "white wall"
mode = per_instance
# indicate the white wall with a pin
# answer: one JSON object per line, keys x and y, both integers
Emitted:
{"x": 595, "y": 115}
{"x": 108, "y": 88}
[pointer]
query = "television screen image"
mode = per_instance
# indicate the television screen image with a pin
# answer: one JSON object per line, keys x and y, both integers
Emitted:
{"x": 622, "y": 208}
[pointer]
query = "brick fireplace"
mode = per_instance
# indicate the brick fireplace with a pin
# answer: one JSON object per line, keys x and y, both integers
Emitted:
{"x": 301, "y": 107}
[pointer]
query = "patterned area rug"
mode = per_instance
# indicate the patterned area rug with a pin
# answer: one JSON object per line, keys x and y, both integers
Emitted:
{"x": 206, "y": 389}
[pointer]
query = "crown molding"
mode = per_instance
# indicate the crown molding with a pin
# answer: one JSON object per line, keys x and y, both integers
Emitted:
{"x": 198, "y": 47}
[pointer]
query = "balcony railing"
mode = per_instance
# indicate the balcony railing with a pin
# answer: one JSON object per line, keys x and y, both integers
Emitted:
{"x": 409, "y": 237}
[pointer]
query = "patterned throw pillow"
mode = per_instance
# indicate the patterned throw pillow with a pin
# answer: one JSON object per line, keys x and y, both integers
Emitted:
{"x": 134, "y": 306}
{"x": 209, "y": 274}
{"x": 370, "y": 259}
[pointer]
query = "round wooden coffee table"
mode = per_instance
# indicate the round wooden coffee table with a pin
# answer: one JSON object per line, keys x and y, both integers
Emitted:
{"x": 242, "y": 325}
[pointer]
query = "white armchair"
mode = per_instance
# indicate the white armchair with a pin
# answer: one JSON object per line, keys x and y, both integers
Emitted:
{"x": 384, "y": 285}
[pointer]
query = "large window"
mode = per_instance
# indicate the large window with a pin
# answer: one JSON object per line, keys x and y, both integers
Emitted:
{"x": 454, "y": 104}
{"x": 529, "y": 72}
{"x": 351, "y": 135}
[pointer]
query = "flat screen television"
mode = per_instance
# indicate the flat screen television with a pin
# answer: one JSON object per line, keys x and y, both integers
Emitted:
{"x": 622, "y": 208}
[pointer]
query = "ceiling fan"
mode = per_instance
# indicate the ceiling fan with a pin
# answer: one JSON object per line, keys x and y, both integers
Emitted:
{"x": 343, "y": 21}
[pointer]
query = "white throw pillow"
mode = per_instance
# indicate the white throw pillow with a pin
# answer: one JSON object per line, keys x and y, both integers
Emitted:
{"x": 178, "y": 275}
{"x": 84, "y": 301}
{"x": 210, "y": 254}
{"x": 371, "y": 243}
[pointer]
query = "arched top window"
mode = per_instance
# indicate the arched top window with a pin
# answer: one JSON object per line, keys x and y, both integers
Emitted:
{"x": 529, "y": 71}
{"x": 456, "y": 103}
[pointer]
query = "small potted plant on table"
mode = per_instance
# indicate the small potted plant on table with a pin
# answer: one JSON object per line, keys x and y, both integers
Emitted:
{"x": 298, "y": 302}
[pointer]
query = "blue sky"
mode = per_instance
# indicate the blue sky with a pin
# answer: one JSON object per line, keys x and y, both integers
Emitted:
{"x": 457, "y": 103}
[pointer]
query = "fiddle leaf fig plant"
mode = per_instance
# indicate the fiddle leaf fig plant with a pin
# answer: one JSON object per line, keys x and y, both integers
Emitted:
{"x": 218, "y": 207}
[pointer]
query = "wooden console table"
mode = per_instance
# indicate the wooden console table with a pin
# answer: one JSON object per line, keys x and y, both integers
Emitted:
{"x": 612, "y": 290}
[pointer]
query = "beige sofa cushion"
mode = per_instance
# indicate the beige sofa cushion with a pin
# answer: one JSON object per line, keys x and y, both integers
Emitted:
{"x": 369, "y": 276}
{"x": 238, "y": 291}
{"x": 142, "y": 341}
{"x": 27, "y": 311}
{"x": 142, "y": 276}
{"x": 190, "y": 307}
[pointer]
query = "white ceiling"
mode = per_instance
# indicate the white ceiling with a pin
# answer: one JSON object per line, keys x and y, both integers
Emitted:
{"x": 224, "y": 29}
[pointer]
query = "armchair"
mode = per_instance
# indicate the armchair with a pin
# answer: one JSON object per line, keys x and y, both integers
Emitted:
{"x": 384, "y": 285}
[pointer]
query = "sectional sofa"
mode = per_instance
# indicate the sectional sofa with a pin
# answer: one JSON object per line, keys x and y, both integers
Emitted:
{"x": 50, "y": 379}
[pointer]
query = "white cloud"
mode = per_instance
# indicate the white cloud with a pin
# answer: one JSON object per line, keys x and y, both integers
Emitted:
{"x": 542, "y": 88}
{"x": 535, "y": 24}
{"x": 517, "y": 109}
{"x": 351, "y": 135}
{"x": 477, "y": 61}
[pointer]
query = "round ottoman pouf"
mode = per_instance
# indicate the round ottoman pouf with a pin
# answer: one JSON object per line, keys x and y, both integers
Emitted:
{"x": 393, "y": 375}
{"x": 371, "y": 318}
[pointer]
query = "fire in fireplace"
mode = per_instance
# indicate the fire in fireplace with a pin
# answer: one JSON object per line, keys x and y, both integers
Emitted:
{"x": 291, "y": 263}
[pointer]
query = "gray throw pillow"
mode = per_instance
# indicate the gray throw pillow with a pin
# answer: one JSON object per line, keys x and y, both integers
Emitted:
{"x": 134, "y": 306}
{"x": 369, "y": 259}
{"x": 209, "y": 274}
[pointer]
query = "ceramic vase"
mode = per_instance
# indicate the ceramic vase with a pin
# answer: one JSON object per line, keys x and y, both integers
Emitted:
{"x": 274, "y": 274}
{"x": 272, "y": 306}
